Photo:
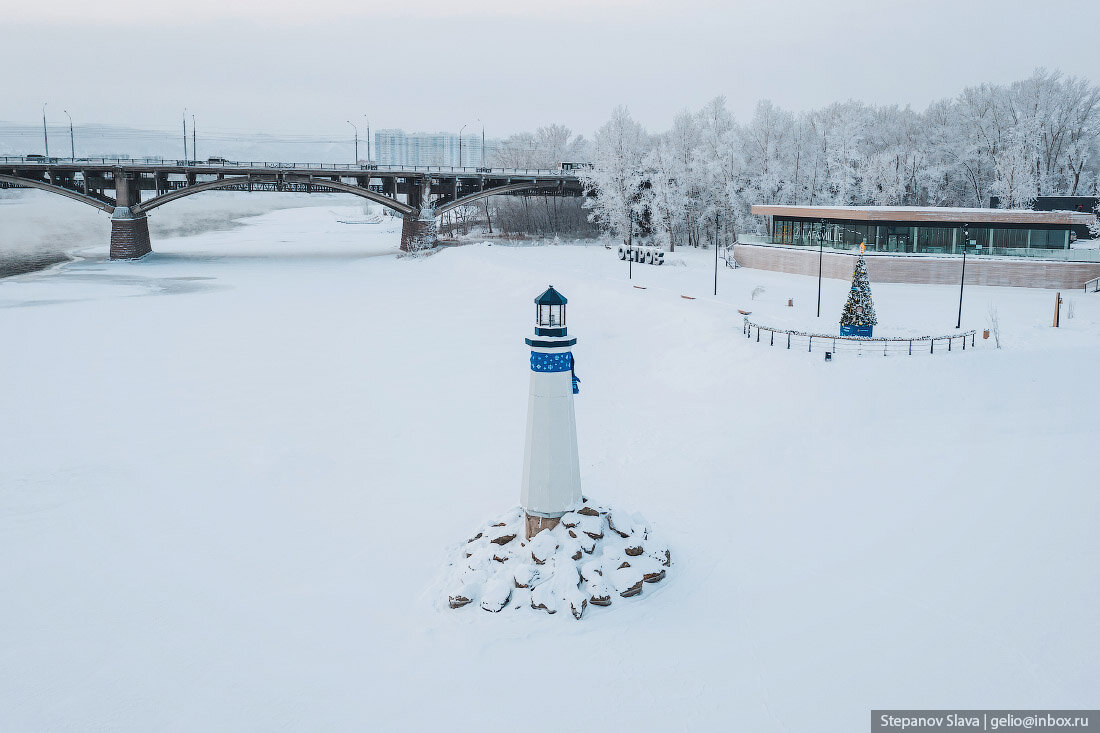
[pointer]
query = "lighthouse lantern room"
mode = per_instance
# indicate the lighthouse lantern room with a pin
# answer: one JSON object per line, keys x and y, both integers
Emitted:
{"x": 550, "y": 313}
{"x": 551, "y": 466}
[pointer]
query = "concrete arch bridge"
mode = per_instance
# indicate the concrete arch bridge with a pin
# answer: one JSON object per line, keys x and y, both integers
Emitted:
{"x": 128, "y": 190}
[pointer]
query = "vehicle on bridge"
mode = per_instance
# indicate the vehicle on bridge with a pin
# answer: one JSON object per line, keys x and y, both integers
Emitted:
{"x": 569, "y": 167}
{"x": 217, "y": 160}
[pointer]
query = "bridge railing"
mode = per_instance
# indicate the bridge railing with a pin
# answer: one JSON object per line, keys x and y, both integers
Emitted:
{"x": 233, "y": 164}
{"x": 1093, "y": 285}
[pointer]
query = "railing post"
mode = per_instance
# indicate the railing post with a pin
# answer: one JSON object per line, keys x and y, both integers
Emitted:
{"x": 773, "y": 339}
{"x": 933, "y": 350}
{"x": 788, "y": 339}
{"x": 910, "y": 347}
{"x": 811, "y": 344}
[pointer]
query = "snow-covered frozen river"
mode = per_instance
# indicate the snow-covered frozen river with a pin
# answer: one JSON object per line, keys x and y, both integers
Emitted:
{"x": 231, "y": 476}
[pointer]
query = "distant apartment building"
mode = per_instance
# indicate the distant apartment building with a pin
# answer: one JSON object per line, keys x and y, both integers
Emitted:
{"x": 397, "y": 147}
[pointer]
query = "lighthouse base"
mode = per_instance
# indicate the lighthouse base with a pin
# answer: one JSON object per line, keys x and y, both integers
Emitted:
{"x": 533, "y": 525}
{"x": 593, "y": 557}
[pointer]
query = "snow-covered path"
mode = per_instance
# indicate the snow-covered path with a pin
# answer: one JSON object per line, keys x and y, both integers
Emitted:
{"x": 231, "y": 476}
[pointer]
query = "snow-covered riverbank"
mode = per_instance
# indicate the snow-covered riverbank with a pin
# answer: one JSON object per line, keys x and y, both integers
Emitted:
{"x": 39, "y": 229}
{"x": 232, "y": 476}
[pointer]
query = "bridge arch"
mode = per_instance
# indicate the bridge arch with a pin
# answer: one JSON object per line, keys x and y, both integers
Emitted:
{"x": 507, "y": 188}
{"x": 53, "y": 188}
{"x": 366, "y": 193}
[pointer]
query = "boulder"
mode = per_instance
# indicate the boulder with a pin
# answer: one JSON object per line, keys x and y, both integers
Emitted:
{"x": 591, "y": 570}
{"x": 544, "y": 598}
{"x": 497, "y": 594}
{"x": 524, "y": 576}
{"x": 627, "y": 581}
{"x": 620, "y": 524}
{"x": 457, "y": 601}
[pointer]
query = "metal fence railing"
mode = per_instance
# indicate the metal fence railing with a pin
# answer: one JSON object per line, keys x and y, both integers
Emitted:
{"x": 231, "y": 164}
{"x": 789, "y": 338}
{"x": 1094, "y": 284}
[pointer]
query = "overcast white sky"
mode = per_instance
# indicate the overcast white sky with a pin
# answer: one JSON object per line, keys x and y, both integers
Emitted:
{"x": 306, "y": 66}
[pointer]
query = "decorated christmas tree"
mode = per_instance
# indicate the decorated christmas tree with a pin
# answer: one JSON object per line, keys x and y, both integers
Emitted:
{"x": 858, "y": 317}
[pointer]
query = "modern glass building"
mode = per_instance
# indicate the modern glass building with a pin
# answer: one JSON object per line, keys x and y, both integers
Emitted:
{"x": 938, "y": 231}
{"x": 396, "y": 147}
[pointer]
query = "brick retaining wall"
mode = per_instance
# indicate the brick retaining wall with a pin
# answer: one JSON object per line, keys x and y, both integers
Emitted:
{"x": 924, "y": 270}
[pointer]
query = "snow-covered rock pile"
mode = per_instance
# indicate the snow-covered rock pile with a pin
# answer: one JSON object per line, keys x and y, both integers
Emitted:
{"x": 595, "y": 555}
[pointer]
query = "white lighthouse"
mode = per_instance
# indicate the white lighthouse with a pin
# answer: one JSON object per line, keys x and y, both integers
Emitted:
{"x": 551, "y": 467}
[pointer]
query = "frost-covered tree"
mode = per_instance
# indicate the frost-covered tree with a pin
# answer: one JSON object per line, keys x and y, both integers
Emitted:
{"x": 617, "y": 183}
{"x": 1035, "y": 137}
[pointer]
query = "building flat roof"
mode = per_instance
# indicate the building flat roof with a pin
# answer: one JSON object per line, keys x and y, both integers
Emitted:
{"x": 944, "y": 214}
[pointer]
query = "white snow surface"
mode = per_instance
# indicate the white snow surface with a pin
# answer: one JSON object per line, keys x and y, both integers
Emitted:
{"x": 232, "y": 475}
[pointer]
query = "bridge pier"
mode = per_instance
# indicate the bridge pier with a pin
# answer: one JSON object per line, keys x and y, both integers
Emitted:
{"x": 129, "y": 235}
{"x": 129, "y": 231}
{"x": 418, "y": 232}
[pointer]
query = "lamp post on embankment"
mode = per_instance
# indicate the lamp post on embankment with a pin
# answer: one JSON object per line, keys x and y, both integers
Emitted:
{"x": 72, "y": 140}
{"x": 368, "y": 138}
{"x": 45, "y": 137}
{"x": 353, "y": 127}
{"x": 962, "y": 280}
{"x": 716, "y": 253}
{"x": 820, "y": 255}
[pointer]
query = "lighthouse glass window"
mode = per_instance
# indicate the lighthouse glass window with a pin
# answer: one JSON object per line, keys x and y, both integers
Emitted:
{"x": 551, "y": 316}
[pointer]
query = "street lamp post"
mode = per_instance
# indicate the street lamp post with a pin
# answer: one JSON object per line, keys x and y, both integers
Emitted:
{"x": 820, "y": 256}
{"x": 460, "y": 145}
{"x": 45, "y": 137}
{"x": 629, "y": 248}
{"x": 368, "y": 138}
{"x": 194, "y": 137}
{"x": 185, "y": 136}
{"x": 962, "y": 280}
{"x": 716, "y": 253}
{"x": 72, "y": 140}
{"x": 356, "y": 141}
